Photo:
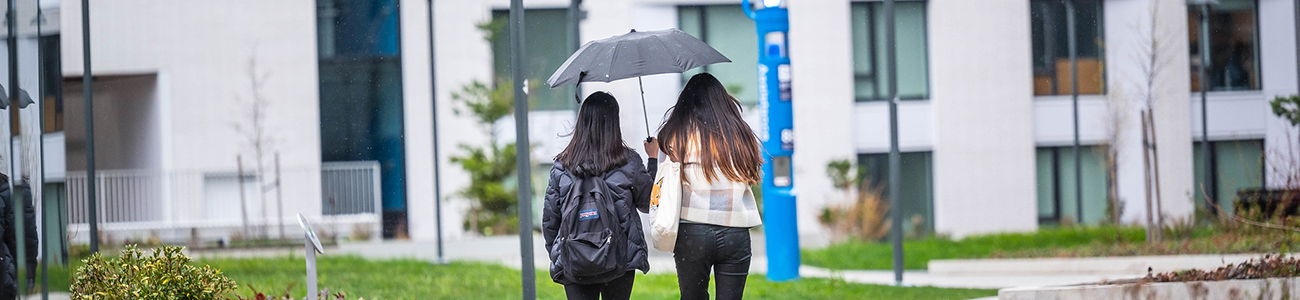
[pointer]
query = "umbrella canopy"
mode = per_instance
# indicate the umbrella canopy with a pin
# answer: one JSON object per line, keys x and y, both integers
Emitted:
{"x": 635, "y": 54}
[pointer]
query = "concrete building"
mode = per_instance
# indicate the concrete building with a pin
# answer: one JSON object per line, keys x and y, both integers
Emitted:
{"x": 986, "y": 118}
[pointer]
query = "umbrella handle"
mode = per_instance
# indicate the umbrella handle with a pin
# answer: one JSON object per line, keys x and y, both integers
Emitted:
{"x": 577, "y": 87}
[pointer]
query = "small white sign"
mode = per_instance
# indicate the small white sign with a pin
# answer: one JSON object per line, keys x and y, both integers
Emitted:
{"x": 311, "y": 235}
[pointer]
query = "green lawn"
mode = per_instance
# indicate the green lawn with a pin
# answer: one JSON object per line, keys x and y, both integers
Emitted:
{"x": 415, "y": 279}
{"x": 1048, "y": 242}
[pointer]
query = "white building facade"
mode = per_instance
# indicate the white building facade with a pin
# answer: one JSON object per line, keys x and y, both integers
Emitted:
{"x": 985, "y": 118}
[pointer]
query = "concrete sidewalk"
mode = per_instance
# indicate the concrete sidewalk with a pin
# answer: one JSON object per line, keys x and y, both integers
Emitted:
{"x": 505, "y": 250}
{"x": 924, "y": 278}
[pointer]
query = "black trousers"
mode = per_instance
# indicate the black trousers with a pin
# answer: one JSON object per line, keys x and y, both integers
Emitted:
{"x": 618, "y": 289}
{"x": 702, "y": 248}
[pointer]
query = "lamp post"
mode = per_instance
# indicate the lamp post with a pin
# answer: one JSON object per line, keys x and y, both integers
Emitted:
{"x": 437, "y": 170}
{"x": 895, "y": 157}
{"x": 1204, "y": 45}
{"x": 779, "y": 212}
{"x": 522, "y": 154}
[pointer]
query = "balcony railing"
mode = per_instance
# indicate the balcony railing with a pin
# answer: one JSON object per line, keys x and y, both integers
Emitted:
{"x": 180, "y": 205}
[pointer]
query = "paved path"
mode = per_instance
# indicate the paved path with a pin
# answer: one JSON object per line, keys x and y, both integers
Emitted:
{"x": 505, "y": 250}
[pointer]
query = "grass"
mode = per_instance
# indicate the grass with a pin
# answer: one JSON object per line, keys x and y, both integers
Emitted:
{"x": 1052, "y": 242}
{"x": 415, "y": 279}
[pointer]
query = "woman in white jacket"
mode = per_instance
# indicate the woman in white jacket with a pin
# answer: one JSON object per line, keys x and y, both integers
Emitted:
{"x": 721, "y": 158}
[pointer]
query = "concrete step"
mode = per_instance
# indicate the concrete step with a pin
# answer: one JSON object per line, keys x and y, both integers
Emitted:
{"x": 1125, "y": 265}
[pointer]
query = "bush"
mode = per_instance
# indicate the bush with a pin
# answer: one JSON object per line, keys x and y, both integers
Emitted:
{"x": 165, "y": 275}
{"x": 867, "y": 217}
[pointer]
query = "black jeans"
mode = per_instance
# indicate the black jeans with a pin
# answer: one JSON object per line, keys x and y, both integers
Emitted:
{"x": 618, "y": 289}
{"x": 725, "y": 250}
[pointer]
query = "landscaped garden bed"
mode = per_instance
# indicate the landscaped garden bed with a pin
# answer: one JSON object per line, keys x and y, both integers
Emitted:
{"x": 1272, "y": 277}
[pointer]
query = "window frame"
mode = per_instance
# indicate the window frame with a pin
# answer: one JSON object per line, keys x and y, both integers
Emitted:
{"x": 1101, "y": 53}
{"x": 1212, "y": 184}
{"x": 566, "y": 91}
{"x": 925, "y": 29}
{"x": 1061, "y": 158}
{"x": 702, "y": 11}
{"x": 862, "y": 160}
{"x": 1256, "y": 42}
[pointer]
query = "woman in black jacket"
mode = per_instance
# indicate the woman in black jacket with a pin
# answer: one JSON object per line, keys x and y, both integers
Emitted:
{"x": 597, "y": 149}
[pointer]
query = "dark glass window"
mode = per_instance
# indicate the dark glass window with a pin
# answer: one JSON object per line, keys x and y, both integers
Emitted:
{"x": 546, "y": 48}
{"x": 51, "y": 84}
{"x": 869, "y": 55}
{"x": 1234, "y": 45}
{"x": 361, "y": 94}
{"x": 1057, "y": 192}
{"x": 917, "y": 184}
{"x": 727, "y": 29}
{"x": 1236, "y": 166}
{"x": 1049, "y": 29}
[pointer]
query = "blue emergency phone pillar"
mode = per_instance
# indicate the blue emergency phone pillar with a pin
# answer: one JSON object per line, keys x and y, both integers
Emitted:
{"x": 779, "y": 212}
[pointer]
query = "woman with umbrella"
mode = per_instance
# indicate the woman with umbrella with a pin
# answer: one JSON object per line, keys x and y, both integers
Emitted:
{"x": 721, "y": 157}
{"x": 720, "y": 154}
{"x": 596, "y": 155}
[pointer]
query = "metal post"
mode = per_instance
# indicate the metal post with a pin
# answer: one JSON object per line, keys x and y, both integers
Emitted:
{"x": 522, "y": 155}
{"x": 895, "y": 158}
{"x": 40, "y": 180}
{"x": 575, "y": 18}
{"x": 1073, "y": 50}
{"x": 279, "y": 195}
{"x": 780, "y": 223}
{"x": 311, "y": 267}
{"x": 437, "y": 170}
{"x": 1206, "y": 166}
{"x": 15, "y": 170}
{"x": 87, "y": 78}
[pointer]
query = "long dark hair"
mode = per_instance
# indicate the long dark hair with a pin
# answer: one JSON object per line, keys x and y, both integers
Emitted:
{"x": 706, "y": 115}
{"x": 597, "y": 142}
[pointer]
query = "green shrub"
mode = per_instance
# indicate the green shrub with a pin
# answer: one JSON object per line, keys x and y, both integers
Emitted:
{"x": 165, "y": 275}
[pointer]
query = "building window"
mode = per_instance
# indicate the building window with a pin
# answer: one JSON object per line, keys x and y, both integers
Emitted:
{"x": 1235, "y": 166}
{"x": 727, "y": 29}
{"x": 869, "y": 54}
{"x": 1057, "y": 191}
{"x": 51, "y": 84}
{"x": 917, "y": 183}
{"x": 1234, "y": 45}
{"x": 360, "y": 73}
{"x": 546, "y": 49}
{"x": 1049, "y": 29}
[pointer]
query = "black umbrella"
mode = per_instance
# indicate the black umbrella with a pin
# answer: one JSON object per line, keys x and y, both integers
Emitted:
{"x": 635, "y": 54}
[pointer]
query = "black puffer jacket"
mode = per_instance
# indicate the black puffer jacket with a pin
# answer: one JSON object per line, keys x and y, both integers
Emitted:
{"x": 8, "y": 253}
{"x": 630, "y": 185}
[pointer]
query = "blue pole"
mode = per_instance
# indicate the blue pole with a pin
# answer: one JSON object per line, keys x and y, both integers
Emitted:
{"x": 780, "y": 221}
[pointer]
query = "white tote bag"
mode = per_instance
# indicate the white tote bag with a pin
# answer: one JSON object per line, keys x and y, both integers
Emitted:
{"x": 666, "y": 206}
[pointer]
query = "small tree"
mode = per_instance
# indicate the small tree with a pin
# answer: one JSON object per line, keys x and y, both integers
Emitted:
{"x": 1155, "y": 54}
{"x": 1117, "y": 119}
{"x": 257, "y": 134}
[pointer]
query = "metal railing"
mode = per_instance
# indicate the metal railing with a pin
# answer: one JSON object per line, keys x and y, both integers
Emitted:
{"x": 350, "y": 188}
{"x": 181, "y": 205}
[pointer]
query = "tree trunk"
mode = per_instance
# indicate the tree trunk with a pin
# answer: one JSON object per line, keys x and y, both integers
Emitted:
{"x": 1155, "y": 161}
{"x": 1146, "y": 176}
